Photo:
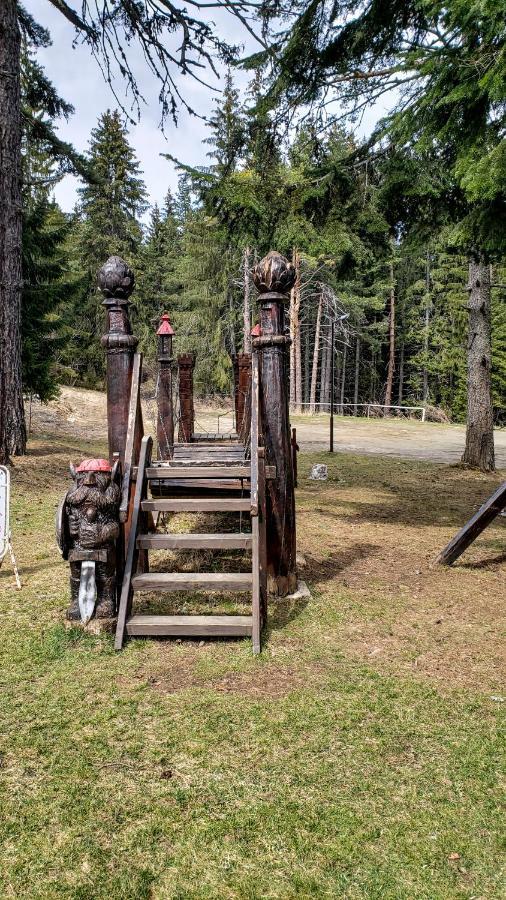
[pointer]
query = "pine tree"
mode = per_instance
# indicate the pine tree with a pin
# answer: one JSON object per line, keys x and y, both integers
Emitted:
{"x": 110, "y": 209}
{"x": 107, "y": 223}
{"x": 158, "y": 284}
{"x": 46, "y": 280}
{"x": 227, "y": 131}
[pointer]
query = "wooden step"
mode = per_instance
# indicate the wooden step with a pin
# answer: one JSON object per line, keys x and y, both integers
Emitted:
{"x": 169, "y": 472}
{"x": 196, "y": 449}
{"x": 193, "y": 581}
{"x": 205, "y": 436}
{"x": 194, "y": 541}
{"x": 181, "y": 504}
{"x": 190, "y": 626}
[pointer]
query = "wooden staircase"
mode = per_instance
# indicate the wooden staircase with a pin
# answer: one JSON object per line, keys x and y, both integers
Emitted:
{"x": 204, "y": 478}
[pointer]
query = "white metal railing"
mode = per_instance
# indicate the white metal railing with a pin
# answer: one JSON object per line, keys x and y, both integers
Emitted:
{"x": 338, "y": 407}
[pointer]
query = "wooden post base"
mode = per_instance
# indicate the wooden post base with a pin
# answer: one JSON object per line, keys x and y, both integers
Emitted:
{"x": 94, "y": 626}
{"x": 281, "y": 585}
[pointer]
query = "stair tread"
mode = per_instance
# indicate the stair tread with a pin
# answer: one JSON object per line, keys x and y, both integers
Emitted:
{"x": 190, "y": 626}
{"x": 182, "y": 504}
{"x": 218, "y": 471}
{"x": 194, "y": 541}
{"x": 204, "y": 581}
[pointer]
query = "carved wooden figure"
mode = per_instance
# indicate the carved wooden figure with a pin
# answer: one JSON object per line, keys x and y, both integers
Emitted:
{"x": 87, "y": 530}
{"x": 165, "y": 421}
{"x": 116, "y": 281}
{"x": 273, "y": 277}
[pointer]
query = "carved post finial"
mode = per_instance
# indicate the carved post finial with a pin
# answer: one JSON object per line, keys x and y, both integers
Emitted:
{"x": 115, "y": 278}
{"x": 274, "y": 274}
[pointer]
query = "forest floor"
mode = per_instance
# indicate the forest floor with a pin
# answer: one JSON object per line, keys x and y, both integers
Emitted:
{"x": 358, "y": 757}
{"x": 78, "y": 411}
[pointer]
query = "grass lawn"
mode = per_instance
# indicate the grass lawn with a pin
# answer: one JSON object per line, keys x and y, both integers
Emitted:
{"x": 359, "y": 756}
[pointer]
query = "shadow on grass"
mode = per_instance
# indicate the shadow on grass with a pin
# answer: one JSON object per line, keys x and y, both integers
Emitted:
{"x": 326, "y": 568}
{"x": 482, "y": 563}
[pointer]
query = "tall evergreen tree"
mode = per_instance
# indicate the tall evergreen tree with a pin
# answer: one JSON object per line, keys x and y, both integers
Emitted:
{"x": 157, "y": 279}
{"x": 107, "y": 223}
{"x": 46, "y": 283}
{"x": 110, "y": 209}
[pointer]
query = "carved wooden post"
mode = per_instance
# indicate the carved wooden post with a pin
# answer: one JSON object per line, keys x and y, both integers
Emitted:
{"x": 235, "y": 370}
{"x": 273, "y": 277}
{"x": 243, "y": 386}
{"x": 186, "y": 363}
{"x": 165, "y": 421}
{"x": 116, "y": 281}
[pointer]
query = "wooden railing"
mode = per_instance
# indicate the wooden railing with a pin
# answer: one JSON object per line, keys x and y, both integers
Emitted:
{"x": 258, "y": 508}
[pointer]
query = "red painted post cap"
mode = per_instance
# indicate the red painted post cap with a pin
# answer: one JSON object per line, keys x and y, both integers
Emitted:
{"x": 94, "y": 465}
{"x": 165, "y": 326}
{"x": 256, "y": 331}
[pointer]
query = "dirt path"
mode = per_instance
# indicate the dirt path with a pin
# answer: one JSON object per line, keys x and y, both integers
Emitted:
{"x": 82, "y": 413}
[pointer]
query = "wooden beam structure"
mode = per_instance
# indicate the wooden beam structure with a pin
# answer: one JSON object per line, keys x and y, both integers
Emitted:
{"x": 465, "y": 537}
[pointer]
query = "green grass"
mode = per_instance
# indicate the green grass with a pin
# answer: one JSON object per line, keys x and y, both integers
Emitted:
{"x": 172, "y": 770}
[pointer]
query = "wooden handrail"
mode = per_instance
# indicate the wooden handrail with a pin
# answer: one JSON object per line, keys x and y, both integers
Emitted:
{"x": 134, "y": 433}
{"x": 132, "y": 551}
{"x": 255, "y": 429}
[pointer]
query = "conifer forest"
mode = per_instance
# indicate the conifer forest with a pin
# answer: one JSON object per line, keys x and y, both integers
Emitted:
{"x": 384, "y": 229}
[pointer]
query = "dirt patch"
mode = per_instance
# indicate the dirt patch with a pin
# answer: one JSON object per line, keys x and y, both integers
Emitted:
{"x": 77, "y": 412}
{"x": 272, "y": 681}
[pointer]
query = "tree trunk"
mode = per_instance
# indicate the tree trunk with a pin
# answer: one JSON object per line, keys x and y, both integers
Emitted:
{"x": 247, "y": 302}
{"x": 401, "y": 374}
{"x": 297, "y": 340}
{"x": 295, "y": 353}
{"x": 426, "y": 331}
{"x": 306, "y": 367}
{"x": 343, "y": 381}
{"x": 357, "y": 377}
{"x": 316, "y": 353}
{"x": 12, "y": 415}
{"x": 479, "y": 452}
{"x": 323, "y": 377}
{"x": 391, "y": 347}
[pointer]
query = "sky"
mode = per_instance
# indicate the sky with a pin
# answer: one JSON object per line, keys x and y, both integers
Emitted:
{"x": 78, "y": 80}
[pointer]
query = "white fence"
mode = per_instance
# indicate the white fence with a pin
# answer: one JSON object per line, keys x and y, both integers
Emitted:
{"x": 342, "y": 409}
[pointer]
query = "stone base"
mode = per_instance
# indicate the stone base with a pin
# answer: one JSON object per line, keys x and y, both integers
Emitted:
{"x": 301, "y": 592}
{"x": 94, "y": 626}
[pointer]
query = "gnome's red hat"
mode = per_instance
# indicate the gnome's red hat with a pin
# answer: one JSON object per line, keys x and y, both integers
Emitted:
{"x": 94, "y": 465}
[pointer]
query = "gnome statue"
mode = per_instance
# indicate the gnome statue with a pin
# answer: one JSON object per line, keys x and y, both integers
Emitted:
{"x": 87, "y": 530}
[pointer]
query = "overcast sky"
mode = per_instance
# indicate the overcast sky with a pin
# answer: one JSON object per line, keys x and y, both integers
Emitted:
{"x": 78, "y": 79}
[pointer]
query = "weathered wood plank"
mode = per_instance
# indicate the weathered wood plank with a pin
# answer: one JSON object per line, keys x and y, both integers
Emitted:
{"x": 192, "y": 581}
{"x": 190, "y": 626}
{"x": 465, "y": 537}
{"x": 200, "y": 505}
{"x": 132, "y": 551}
{"x": 233, "y": 541}
{"x": 130, "y": 448}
